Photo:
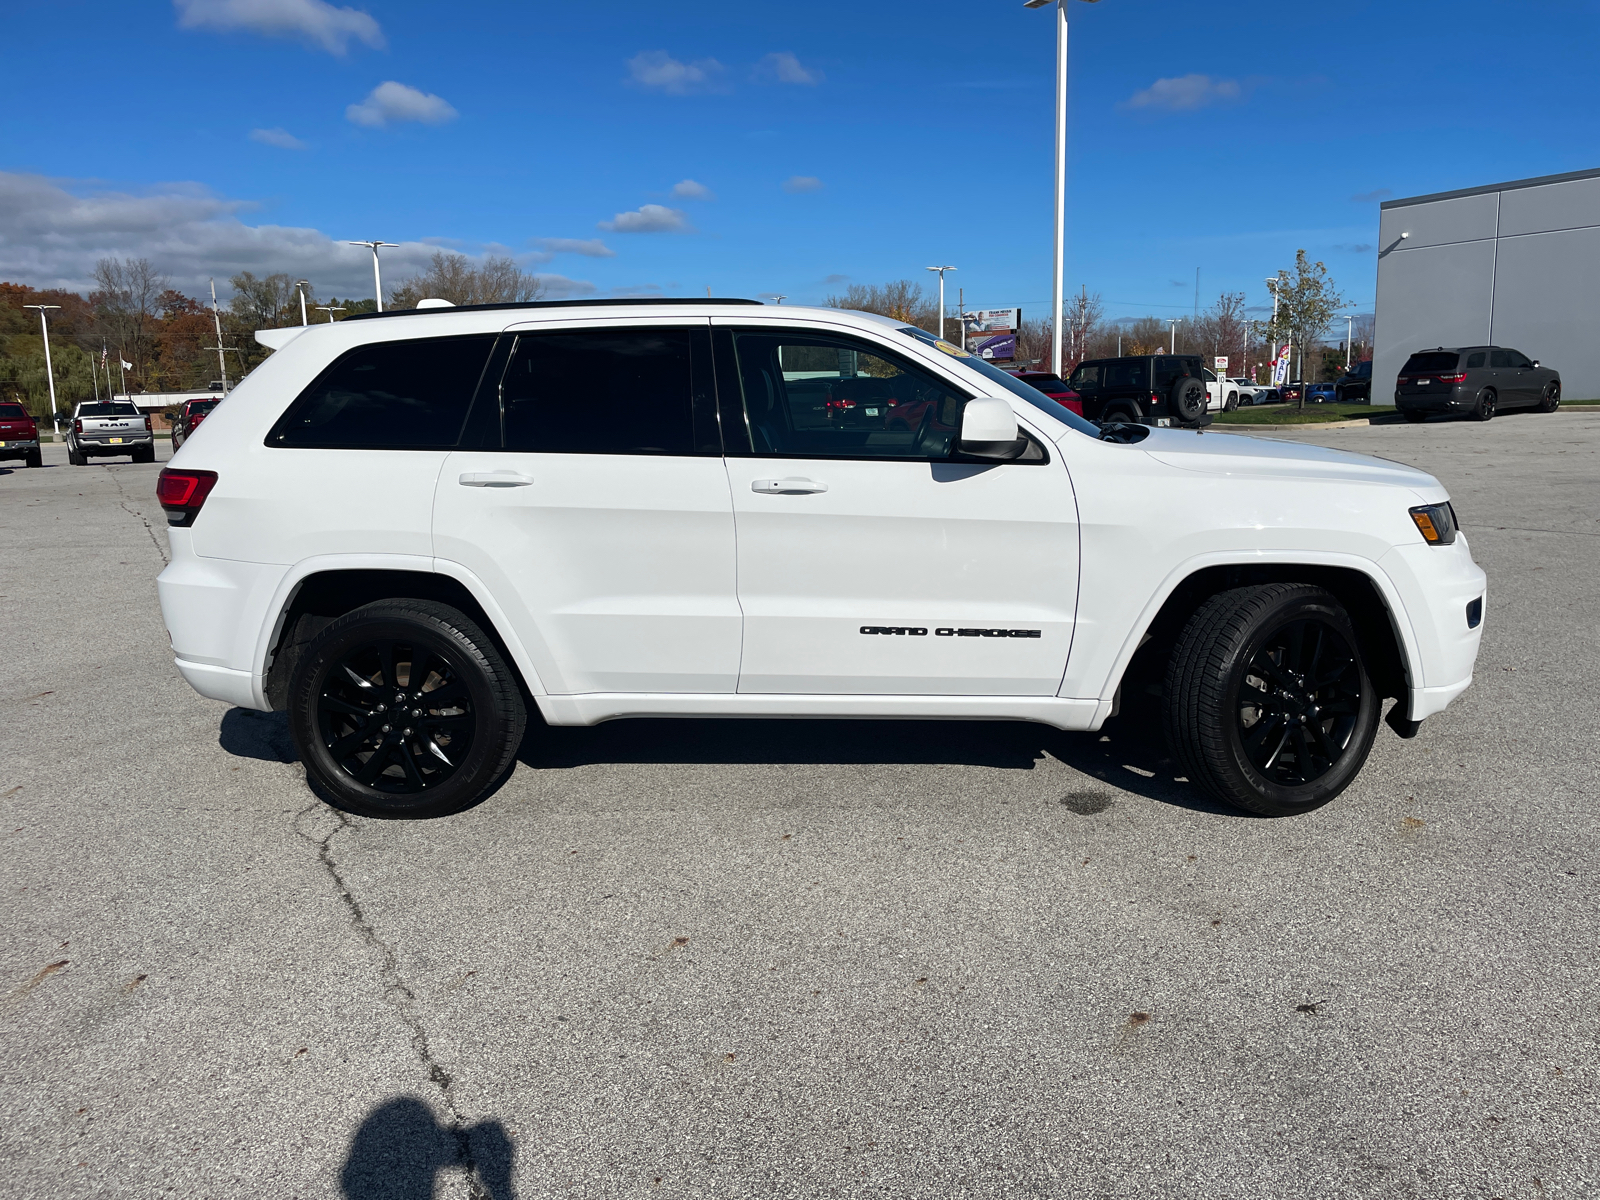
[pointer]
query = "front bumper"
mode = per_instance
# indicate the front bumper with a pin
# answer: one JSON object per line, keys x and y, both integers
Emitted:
{"x": 1438, "y": 585}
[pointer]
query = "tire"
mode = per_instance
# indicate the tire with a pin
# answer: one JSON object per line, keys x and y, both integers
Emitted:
{"x": 77, "y": 457}
{"x": 1223, "y": 712}
{"x": 469, "y": 701}
{"x": 36, "y": 458}
{"x": 1415, "y": 416}
{"x": 145, "y": 454}
{"x": 1188, "y": 400}
{"x": 1484, "y": 409}
{"x": 1550, "y": 398}
{"x": 1124, "y": 412}
{"x": 1231, "y": 403}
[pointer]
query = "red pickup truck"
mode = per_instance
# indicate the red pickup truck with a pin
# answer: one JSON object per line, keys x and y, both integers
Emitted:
{"x": 19, "y": 434}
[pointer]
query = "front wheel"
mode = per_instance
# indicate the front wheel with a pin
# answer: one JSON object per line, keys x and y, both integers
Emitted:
{"x": 1268, "y": 703}
{"x": 405, "y": 709}
{"x": 1550, "y": 398}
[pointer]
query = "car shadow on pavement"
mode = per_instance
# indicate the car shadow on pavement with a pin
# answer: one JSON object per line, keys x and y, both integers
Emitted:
{"x": 400, "y": 1148}
{"x": 246, "y": 733}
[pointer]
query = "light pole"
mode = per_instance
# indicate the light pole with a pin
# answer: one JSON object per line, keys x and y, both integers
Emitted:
{"x": 777, "y": 299}
{"x": 330, "y": 310}
{"x": 1174, "y": 323}
{"x": 941, "y": 271}
{"x": 49, "y": 372}
{"x": 377, "y": 281}
{"x": 300, "y": 286}
{"x": 1272, "y": 286}
{"x": 1057, "y": 290}
{"x": 216, "y": 316}
{"x": 1349, "y": 346}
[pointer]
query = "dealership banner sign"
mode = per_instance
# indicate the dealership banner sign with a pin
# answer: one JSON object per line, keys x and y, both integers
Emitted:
{"x": 1280, "y": 368}
{"x": 992, "y": 332}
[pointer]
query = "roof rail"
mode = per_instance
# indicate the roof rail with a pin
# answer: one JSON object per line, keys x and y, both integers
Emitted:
{"x": 412, "y": 312}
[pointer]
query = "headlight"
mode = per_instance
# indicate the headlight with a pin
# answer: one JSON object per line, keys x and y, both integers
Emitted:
{"x": 1436, "y": 523}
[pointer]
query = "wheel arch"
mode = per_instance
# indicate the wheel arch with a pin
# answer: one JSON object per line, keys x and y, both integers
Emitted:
{"x": 320, "y": 595}
{"x": 1392, "y": 658}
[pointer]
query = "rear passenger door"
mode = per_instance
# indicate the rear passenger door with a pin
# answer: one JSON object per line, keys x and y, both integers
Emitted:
{"x": 596, "y": 509}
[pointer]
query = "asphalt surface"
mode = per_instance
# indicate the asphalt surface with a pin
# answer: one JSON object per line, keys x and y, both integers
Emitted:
{"x": 799, "y": 958}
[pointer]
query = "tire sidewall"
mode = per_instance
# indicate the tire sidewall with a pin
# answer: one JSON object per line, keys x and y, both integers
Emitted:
{"x": 325, "y": 652}
{"x": 1274, "y": 797}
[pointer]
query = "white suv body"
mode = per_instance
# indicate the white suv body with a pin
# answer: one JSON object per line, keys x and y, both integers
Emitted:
{"x": 883, "y": 573}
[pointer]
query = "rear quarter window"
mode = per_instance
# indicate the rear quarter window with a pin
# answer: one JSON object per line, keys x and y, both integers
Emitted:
{"x": 404, "y": 395}
{"x": 1434, "y": 360}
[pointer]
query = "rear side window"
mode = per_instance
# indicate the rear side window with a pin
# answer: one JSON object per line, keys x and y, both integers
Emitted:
{"x": 13, "y": 412}
{"x": 1433, "y": 360}
{"x": 604, "y": 391}
{"x": 410, "y": 395}
{"x": 1475, "y": 360}
{"x": 1171, "y": 368}
{"x": 1127, "y": 374}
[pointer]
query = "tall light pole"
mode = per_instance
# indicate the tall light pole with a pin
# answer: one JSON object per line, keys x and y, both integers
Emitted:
{"x": 49, "y": 372}
{"x": 377, "y": 280}
{"x": 1349, "y": 346}
{"x": 1272, "y": 286}
{"x": 1058, "y": 290}
{"x": 1174, "y": 322}
{"x": 941, "y": 271}
{"x": 216, "y": 316}
{"x": 330, "y": 310}
{"x": 300, "y": 286}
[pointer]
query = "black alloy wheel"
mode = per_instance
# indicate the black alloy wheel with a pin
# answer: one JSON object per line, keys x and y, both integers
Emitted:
{"x": 1488, "y": 402}
{"x": 1415, "y": 415}
{"x": 1269, "y": 706}
{"x": 1550, "y": 398}
{"x": 404, "y": 708}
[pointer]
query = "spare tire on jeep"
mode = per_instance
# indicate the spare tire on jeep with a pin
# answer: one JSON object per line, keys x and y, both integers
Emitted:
{"x": 1188, "y": 399}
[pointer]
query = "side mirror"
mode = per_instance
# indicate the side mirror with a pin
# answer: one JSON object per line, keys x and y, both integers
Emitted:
{"x": 1536, "y": 362}
{"x": 989, "y": 430}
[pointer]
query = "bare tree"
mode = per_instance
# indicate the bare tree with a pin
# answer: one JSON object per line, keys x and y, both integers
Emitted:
{"x": 454, "y": 277}
{"x": 902, "y": 300}
{"x": 126, "y": 304}
{"x": 1084, "y": 313}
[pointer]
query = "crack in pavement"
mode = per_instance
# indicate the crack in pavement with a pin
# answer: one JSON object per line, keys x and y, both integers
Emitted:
{"x": 396, "y": 991}
{"x": 160, "y": 549}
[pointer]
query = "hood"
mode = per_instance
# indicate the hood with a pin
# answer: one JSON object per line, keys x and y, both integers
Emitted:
{"x": 1235, "y": 454}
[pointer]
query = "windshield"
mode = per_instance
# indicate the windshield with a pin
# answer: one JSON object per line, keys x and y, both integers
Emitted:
{"x": 107, "y": 409}
{"x": 993, "y": 375}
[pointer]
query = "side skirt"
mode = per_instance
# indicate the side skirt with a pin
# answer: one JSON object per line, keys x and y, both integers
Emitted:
{"x": 594, "y": 707}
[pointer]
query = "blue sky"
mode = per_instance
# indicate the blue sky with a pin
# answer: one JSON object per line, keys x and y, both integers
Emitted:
{"x": 831, "y": 142}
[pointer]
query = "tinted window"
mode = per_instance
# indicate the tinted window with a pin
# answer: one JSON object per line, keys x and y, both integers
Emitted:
{"x": 199, "y": 408}
{"x": 108, "y": 408}
{"x": 1436, "y": 360}
{"x": 1475, "y": 360}
{"x": 603, "y": 391}
{"x": 1170, "y": 368}
{"x": 1127, "y": 374}
{"x": 409, "y": 395}
{"x": 1045, "y": 383}
{"x": 1499, "y": 358}
{"x": 1086, "y": 378}
{"x": 1517, "y": 360}
{"x": 13, "y": 412}
{"x": 808, "y": 395}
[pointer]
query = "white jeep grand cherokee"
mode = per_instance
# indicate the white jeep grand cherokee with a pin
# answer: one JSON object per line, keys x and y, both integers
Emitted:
{"x": 406, "y": 528}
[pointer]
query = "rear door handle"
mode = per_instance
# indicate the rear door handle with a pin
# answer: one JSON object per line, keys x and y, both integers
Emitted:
{"x": 496, "y": 479}
{"x": 782, "y": 487}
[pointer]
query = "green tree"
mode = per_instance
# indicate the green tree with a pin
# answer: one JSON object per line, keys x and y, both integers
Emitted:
{"x": 1306, "y": 304}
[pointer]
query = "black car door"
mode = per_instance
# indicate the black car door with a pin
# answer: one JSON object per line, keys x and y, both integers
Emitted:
{"x": 1529, "y": 382}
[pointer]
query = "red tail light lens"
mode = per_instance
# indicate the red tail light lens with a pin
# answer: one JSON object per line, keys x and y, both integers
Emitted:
{"x": 77, "y": 427}
{"x": 147, "y": 424}
{"x": 1458, "y": 377}
{"x": 182, "y": 493}
{"x": 1403, "y": 379}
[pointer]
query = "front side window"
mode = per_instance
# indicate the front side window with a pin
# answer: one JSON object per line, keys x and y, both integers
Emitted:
{"x": 1085, "y": 379}
{"x": 1499, "y": 358}
{"x": 1518, "y": 359}
{"x": 812, "y": 395}
{"x": 404, "y": 395}
{"x": 602, "y": 391}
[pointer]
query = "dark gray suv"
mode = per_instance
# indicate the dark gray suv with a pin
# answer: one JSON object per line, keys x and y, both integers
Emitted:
{"x": 1480, "y": 380}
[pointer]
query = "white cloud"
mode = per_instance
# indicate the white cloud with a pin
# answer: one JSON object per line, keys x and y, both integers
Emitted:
{"x": 279, "y": 137}
{"x": 392, "y": 102}
{"x": 314, "y": 22}
{"x": 786, "y": 68}
{"x": 1185, "y": 92}
{"x": 802, "y": 183}
{"x": 588, "y": 247}
{"x": 649, "y": 218}
{"x": 51, "y": 235}
{"x": 658, "y": 69}
{"x": 688, "y": 189}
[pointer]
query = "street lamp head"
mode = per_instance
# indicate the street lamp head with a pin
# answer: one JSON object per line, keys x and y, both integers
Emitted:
{"x": 41, "y": 307}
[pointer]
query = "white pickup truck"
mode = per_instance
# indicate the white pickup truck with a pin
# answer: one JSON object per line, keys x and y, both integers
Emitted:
{"x": 103, "y": 428}
{"x": 1222, "y": 395}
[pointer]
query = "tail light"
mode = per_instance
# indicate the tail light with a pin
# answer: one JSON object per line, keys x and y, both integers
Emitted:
{"x": 147, "y": 424}
{"x": 182, "y": 493}
{"x": 1154, "y": 399}
{"x": 1458, "y": 377}
{"x": 1402, "y": 379}
{"x": 77, "y": 426}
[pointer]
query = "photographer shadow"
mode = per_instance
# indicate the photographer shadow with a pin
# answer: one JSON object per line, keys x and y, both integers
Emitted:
{"x": 400, "y": 1149}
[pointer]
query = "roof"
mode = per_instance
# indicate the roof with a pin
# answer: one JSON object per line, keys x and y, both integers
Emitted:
{"x": 635, "y": 302}
{"x": 1514, "y": 185}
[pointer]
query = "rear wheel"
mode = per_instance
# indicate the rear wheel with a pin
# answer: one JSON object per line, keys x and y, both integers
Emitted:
{"x": 1415, "y": 416}
{"x": 1121, "y": 412}
{"x": 1268, "y": 703}
{"x": 36, "y": 458}
{"x": 145, "y": 454}
{"x": 1488, "y": 402}
{"x": 77, "y": 458}
{"x": 1550, "y": 398}
{"x": 405, "y": 709}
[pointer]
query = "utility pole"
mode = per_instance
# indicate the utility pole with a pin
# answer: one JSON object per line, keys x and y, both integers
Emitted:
{"x": 216, "y": 316}
{"x": 961, "y": 314}
{"x": 300, "y": 286}
{"x": 49, "y": 372}
{"x": 1197, "y": 295}
{"x": 939, "y": 332}
{"x": 377, "y": 280}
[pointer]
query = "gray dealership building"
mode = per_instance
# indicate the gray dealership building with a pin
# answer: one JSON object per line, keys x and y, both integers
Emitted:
{"x": 1511, "y": 264}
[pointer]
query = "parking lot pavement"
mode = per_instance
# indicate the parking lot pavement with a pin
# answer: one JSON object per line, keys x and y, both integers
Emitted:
{"x": 800, "y": 958}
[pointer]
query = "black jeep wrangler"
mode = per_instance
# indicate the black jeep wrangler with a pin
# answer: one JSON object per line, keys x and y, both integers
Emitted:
{"x": 1151, "y": 389}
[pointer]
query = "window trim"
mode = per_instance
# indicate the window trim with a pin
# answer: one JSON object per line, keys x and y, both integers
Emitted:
{"x": 734, "y": 409}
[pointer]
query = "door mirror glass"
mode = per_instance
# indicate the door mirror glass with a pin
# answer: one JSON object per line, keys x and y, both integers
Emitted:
{"x": 1536, "y": 362}
{"x": 989, "y": 429}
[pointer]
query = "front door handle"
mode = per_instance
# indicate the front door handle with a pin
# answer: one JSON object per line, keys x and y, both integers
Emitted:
{"x": 787, "y": 487}
{"x": 496, "y": 479}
